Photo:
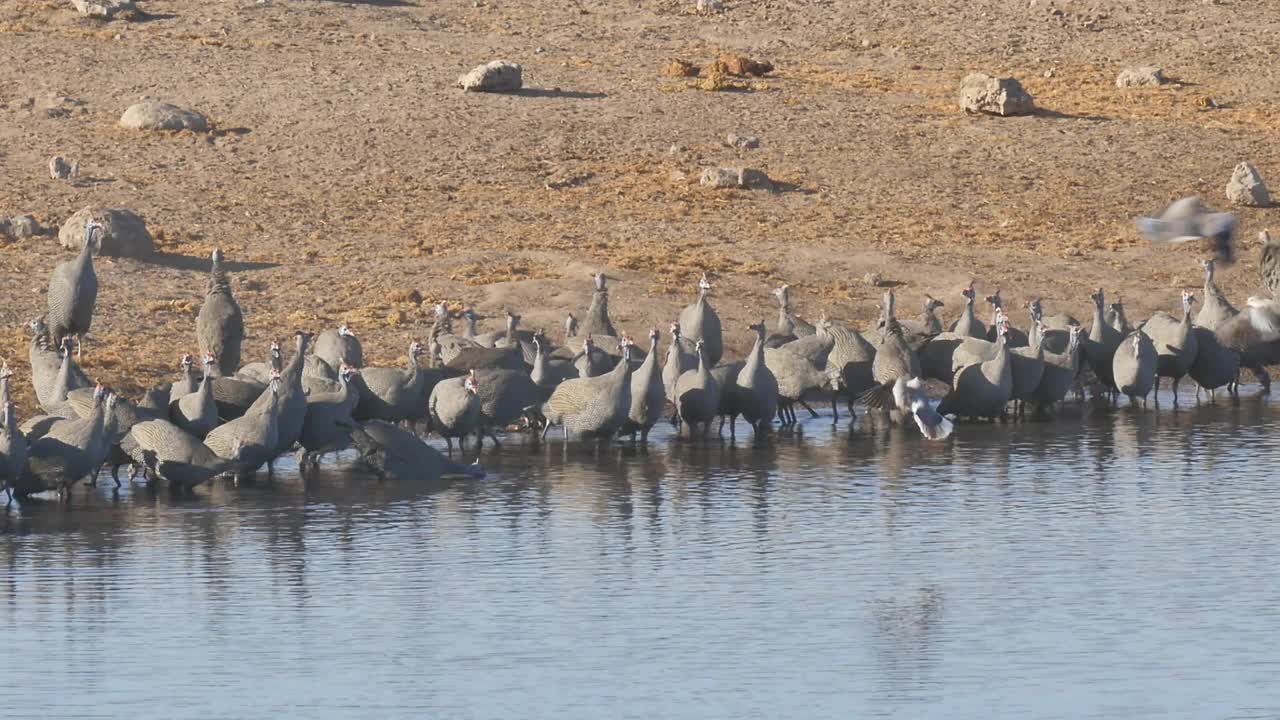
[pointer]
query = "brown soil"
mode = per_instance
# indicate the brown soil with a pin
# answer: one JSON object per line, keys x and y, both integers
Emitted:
{"x": 350, "y": 174}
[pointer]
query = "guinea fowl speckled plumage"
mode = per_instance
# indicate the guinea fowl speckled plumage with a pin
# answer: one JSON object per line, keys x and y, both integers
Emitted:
{"x": 172, "y": 454}
{"x": 249, "y": 441}
{"x": 648, "y": 396}
{"x": 73, "y": 290}
{"x": 597, "y": 320}
{"x": 1100, "y": 347}
{"x": 396, "y": 454}
{"x": 795, "y": 376}
{"x": 1060, "y": 370}
{"x": 968, "y": 325}
{"x": 894, "y": 358}
{"x": 46, "y": 363}
{"x": 328, "y": 419}
{"x": 697, "y": 397}
{"x": 336, "y": 347}
{"x": 982, "y": 390}
{"x": 1175, "y": 343}
{"x": 1134, "y": 366}
{"x": 678, "y": 361}
{"x": 1215, "y": 308}
{"x": 699, "y": 321}
{"x": 197, "y": 413}
{"x": 454, "y": 407}
{"x": 220, "y": 324}
{"x": 69, "y": 378}
{"x": 1215, "y": 365}
{"x": 594, "y": 406}
{"x": 70, "y": 451}
{"x": 755, "y": 389}
{"x": 852, "y": 359}
{"x": 13, "y": 448}
{"x": 394, "y": 394}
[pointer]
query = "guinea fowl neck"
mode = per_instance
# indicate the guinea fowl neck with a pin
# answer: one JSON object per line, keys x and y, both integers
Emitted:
{"x": 218, "y": 282}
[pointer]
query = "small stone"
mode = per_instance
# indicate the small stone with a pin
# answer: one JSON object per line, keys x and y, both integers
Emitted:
{"x": 1142, "y": 76}
{"x": 1048, "y": 73}
{"x": 980, "y": 93}
{"x": 720, "y": 177}
{"x": 497, "y": 76}
{"x": 152, "y": 115}
{"x": 710, "y": 7}
{"x": 754, "y": 179}
{"x": 105, "y": 9}
{"x": 60, "y": 168}
{"x": 866, "y": 43}
{"x": 1246, "y": 187}
{"x": 742, "y": 142}
{"x": 124, "y": 234}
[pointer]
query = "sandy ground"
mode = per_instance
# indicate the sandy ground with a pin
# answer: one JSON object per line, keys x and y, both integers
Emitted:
{"x": 348, "y": 172}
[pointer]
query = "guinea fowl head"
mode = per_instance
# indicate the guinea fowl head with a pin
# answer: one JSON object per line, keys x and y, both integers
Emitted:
{"x": 216, "y": 256}
{"x": 415, "y": 348}
{"x": 757, "y": 328}
{"x": 653, "y": 335}
{"x": 470, "y": 384}
{"x": 345, "y": 331}
{"x": 1097, "y": 298}
{"x": 704, "y": 285}
{"x": 1037, "y": 310}
{"x": 93, "y": 235}
{"x": 186, "y": 361}
{"x": 931, "y": 303}
{"x": 969, "y": 293}
{"x": 1188, "y": 298}
{"x": 5, "y": 372}
{"x": 994, "y": 299}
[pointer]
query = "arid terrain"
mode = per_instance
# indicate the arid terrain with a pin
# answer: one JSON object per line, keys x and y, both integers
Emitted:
{"x": 347, "y": 171}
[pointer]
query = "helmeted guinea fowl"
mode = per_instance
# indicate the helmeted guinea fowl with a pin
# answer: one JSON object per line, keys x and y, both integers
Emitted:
{"x": 1053, "y": 338}
{"x": 1134, "y": 367}
{"x": 894, "y": 358}
{"x": 220, "y": 324}
{"x": 548, "y": 372}
{"x": 755, "y": 389}
{"x": 505, "y": 397}
{"x": 248, "y": 441}
{"x": 1188, "y": 220}
{"x": 336, "y": 347}
{"x": 1100, "y": 347}
{"x": 1175, "y": 343}
{"x": 235, "y": 395}
{"x": 454, "y": 407}
{"x": 1215, "y": 365}
{"x": 1269, "y": 262}
{"x": 595, "y": 406}
{"x": 795, "y": 376}
{"x": 1216, "y": 308}
{"x": 919, "y": 331}
{"x": 1254, "y": 333}
{"x": 1027, "y": 364}
{"x": 395, "y": 395}
{"x": 852, "y": 358}
{"x": 260, "y": 371}
{"x": 328, "y": 420}
{"x": 592, "y": 361}
{"x": 697, "y": 397}
{"x": 46, "y": 364}
{"x": 197, "y": 413}
{"x": 699, "y": 321}
{"x": 1014, "y": 337}
{"x": 73, "y": 290}
{"x": 187, "y": 382}
{"x": 396, "y": 454}
{"x": 968, "y": 325}
{"x": 68, "y": 452}
{"x": 124, "y": 415}
{"x": 1060, "y": 370}
{"x": 1116, "y": 318}
{"x": 678, "y": 361}
{"x": 983, "y": 389}
{"x": 790, "y": 326}
{"x": 172, "y": 454}
{"x": 442, "y": 333}
{"x": 13, "y": 443}
{"x": 597, "y": 320}
{"x": 69, "y": 378}
{"x": 648, "y": 396}
{"x": 570, "y": 327}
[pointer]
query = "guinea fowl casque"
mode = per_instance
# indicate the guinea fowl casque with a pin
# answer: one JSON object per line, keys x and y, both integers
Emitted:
{"x": 220, "y": 324}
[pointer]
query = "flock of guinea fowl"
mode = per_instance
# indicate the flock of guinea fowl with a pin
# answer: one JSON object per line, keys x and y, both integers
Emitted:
{"x": 223, "y": 418}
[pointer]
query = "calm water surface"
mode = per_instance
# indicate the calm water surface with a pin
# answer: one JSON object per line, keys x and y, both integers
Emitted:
{"x": 1108, "y": 564}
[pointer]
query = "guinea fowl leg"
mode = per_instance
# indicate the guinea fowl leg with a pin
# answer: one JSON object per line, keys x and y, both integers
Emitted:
{"x": 805, "y": 405}
{"x": 835, "y": 410}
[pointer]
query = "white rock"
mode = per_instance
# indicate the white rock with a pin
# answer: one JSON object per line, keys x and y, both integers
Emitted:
{"x": 1246, "y": 187}
{"x": 721, "y": 177}
{"x": 981, "y": 93}
{"x": 106, "y": 9}
{"x": 124, "y": 234}
{"x": 708, "y": 7}
{"x": 1142, "y": 76}
{"x": 152, "y": 115}
{"x": 20, "y": 227}
{"x": 741, "y": 141}
{"x": 497, "y": 76}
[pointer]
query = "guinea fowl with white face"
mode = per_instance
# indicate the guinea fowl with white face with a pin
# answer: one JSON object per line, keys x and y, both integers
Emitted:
{"x": 699, "y": 321}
